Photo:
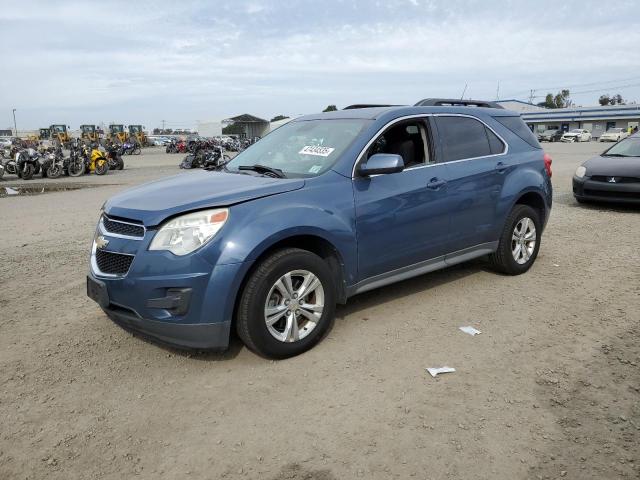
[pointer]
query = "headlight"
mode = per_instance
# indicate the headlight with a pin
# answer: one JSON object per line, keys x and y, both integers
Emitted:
{"x": 581, "y": 171}
{"x": 186, "y": 233}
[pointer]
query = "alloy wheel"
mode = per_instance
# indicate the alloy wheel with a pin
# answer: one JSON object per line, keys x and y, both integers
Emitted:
{"x": 523, "y": 240}
{"x": 294, "y": 306}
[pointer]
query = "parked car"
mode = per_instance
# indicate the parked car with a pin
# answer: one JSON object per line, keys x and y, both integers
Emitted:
{"x": 323, "y": 208}
{"x": 554, "y": 135}
{"x": 577, "y": 135}
{"x": 613, "y": 176}
{"x": 5, "y": 142}
{"x": 613, "y": 135}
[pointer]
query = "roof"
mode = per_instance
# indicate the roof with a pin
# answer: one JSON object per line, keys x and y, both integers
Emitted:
{"x": 245, "y": 118}
{"x": 374, "y": 113}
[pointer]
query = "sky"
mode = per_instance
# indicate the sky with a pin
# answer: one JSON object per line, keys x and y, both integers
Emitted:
{"x": 185, "y": 61}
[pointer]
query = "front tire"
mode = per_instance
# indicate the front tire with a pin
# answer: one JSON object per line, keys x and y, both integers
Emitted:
{"x": 519, "y": 243}
{"x": 287, "y": 304}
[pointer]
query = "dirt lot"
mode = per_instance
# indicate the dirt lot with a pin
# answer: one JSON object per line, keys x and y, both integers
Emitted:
{"x": 550, "y": 389}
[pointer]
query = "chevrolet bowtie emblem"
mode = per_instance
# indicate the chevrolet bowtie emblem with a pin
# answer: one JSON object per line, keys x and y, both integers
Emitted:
{"x": 101, "y": 242}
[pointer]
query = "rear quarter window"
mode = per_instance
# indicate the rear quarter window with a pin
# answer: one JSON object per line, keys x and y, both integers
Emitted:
{"x": 517, "y": 126}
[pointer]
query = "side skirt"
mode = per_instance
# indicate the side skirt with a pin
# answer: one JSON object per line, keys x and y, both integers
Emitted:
{"x": 421, "y": 268}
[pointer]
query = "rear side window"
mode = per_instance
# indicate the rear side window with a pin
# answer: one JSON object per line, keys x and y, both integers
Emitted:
{"x": 462, "y": 137}
{"x": 495, "y": 144}
{"x": 517, "y": 126}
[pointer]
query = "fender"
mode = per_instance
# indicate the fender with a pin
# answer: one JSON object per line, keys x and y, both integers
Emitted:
{"x": 529, "y": 177}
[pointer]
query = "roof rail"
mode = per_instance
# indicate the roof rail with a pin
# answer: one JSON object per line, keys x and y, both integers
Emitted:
{"x": 366, "y": 105}
{"x": 452, "y": 102}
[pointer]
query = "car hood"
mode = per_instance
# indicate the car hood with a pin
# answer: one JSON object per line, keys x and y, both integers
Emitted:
{"x": 570, "y": 134}
{"x": 613, "y": 166}
{"x": 153, "y": 202}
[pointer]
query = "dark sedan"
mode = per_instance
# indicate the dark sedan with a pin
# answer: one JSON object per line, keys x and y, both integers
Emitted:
{"x": 614, "y": 176}
{"x": 553, "y": 135}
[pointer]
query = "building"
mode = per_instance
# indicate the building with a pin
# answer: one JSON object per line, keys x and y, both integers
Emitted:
{"x": 596, "y": 119}
{"x": 249, "y": 126}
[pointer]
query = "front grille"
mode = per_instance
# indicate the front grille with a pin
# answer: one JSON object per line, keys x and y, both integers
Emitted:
{"x": 113, "y": 263}
{"x": 609, "y": 194}
{"x": 122, "y": 228}
{"x": 601, "y": 178}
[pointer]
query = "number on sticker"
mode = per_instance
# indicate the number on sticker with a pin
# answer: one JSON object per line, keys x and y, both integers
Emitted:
{"x": 316, "y": 150}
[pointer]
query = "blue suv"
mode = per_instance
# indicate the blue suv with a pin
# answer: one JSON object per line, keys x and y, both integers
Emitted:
{"x": 321, "y": 209}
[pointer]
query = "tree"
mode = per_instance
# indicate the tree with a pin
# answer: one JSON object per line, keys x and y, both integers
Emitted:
{"x": 330, "y": 108}
{"x": 604, "y": 100}
{"x": 559, "y": 100}
{"x": 279, "y": 117}
{"x": 156, "y": 131}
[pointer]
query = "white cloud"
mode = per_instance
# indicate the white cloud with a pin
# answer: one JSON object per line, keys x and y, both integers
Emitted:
{"x": 191, "y": 60}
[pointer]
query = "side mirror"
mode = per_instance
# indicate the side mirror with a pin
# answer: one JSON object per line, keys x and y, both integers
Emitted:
{"x": 381, "y": 164}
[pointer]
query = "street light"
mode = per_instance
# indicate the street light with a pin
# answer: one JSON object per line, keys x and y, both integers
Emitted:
{"x": 14, "y": 122}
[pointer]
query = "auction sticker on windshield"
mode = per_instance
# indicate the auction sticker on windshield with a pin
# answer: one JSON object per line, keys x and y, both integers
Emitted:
{"x": 316, "y": 150}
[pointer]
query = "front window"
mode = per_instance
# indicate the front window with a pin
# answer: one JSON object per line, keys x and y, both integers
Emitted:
{"x": 614, "y": 130}
{"x": 301, "y": 149}
{"x": 626, "y": 148}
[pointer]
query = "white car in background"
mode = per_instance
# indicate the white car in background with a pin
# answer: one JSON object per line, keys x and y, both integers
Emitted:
{"x": 613, "y": 135}
{"x": 577, "y": 135}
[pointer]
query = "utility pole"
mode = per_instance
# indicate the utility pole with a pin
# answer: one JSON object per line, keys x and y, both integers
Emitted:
{"x": 162, "y": 126}
{"x": 531, "y": 96}
{"x": 15, "y": 126}
{"x": 498, "y": 92}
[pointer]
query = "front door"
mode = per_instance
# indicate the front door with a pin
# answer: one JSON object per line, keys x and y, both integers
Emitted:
{"x": 402, "y": 218}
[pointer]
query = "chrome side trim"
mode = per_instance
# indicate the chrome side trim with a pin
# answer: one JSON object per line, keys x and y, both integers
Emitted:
{"x": 423, "y": 267}
{"x": 425, "y": 115}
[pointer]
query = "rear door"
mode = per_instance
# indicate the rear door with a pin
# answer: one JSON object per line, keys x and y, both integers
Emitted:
{"x": 476, "y": 164}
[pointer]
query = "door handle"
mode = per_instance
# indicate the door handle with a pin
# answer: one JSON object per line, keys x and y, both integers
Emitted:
{"x": 435, "y": 183}
{"x": 500, "y": 167}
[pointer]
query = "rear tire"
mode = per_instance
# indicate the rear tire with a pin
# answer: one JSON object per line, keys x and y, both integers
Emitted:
{"x": 27, "y": 172}
{"x": 298, "y": 326}
{"x": 516, "y": 253}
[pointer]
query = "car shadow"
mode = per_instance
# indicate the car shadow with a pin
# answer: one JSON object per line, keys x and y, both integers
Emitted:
{"x": 405, "y": 288}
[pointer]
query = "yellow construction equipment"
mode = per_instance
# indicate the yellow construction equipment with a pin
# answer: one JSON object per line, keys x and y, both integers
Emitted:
{"x": 137, "y": 134}
{"x": 88, "y": 132}
{"x": 116, "y": 133}
{"x": 60, "y": 133}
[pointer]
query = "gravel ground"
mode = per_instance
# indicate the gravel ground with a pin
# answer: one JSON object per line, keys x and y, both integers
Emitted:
{"x": 550, "y": 389}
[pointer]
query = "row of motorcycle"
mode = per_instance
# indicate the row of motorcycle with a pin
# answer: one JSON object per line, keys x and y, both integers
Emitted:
{"x": 207, "y": 157}
{"x": 50, "y": 161}
{"x": 191, "y": 145}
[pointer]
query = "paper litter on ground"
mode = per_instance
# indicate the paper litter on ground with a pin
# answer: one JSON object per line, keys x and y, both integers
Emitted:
{"x": 10, "y": 191}
{"x": 435, "y": 371}
{"x": 470, "y": 330}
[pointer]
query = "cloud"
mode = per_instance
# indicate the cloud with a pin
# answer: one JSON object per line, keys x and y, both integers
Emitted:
{"x": 195, "y": 60}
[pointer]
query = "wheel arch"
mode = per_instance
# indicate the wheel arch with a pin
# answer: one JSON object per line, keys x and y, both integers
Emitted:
{"x": 534, "y": 200}
{"x": 309, "y": 241}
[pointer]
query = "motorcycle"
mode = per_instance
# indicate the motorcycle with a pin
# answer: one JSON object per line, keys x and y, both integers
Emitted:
{"x": 129, "y": 148}
{"x": 114, "y": 155}
{"x": 52, "y": 163}
{"x": 25, "y": 164}
{"x": 176, "y": 146}
{"x": 99, "y": 163}
{"x": 77, "y": 162}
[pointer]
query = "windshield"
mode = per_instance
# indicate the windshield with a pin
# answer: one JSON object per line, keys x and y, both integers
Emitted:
{"x": 301, "y": 149}
{"x": 576, "y": 130}
{"x": 626, "y": 148}
{"x": 614, "y": 130}
{"x": 59, "y": 128}
{"x": 548, "y": 132}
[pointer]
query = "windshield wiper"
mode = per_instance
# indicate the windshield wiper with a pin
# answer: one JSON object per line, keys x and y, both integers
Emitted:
{"x": 615, "y": 155}
{"x": 264, "y": 170}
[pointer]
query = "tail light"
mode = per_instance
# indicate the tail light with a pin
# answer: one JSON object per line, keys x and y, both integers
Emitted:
{"x": 547, "y": 163}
